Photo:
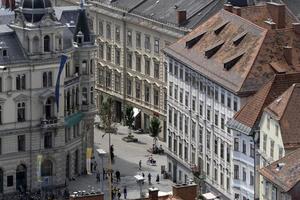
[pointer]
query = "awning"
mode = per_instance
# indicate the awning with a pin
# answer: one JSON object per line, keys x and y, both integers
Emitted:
{"x": 73, "y": 119}
{"x": 209, "y": 196}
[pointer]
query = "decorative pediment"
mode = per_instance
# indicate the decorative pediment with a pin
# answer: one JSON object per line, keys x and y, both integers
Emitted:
{"x": 21, "y": 97}
{"x": 46, "y": 94}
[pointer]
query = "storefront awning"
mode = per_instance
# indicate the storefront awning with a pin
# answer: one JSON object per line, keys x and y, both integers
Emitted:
{"x": 73, "y": 119}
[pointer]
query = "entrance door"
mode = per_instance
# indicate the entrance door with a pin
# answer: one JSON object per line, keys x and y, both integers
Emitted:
{"x": 1, "y": 180}
{"x": 76, "y": 162}
{"x": 21, "y": 179}
{"x": 174, "y": 173}
{"x": 146, "y": 122}
{"x": 118, "y": 111}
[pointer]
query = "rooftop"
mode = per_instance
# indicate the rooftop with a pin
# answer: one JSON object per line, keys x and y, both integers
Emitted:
{"x": 166, "y": 10}
{"x": 284, "y": 172}
{"x": 251, "y": 112}
{"x": 285, "y": 109}
{"x": 235, "y": 48}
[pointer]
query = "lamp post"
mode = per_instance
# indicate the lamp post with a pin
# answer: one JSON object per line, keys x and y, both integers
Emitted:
{"x": 101, "y": 153}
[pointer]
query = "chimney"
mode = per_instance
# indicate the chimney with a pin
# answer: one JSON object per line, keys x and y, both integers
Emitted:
{"x": 153, "y": 193}
{"x": 181, "y": 17}
{"x": 237, "y": 10}
{"x": 228, "y": 7}
{"x": 296, "y": 27}
{"x": 288, "y": 54}
{"x": 277, "y": 12}
{"x": 185, "y": 192}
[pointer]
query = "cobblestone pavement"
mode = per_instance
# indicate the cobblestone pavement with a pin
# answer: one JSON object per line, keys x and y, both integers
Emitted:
{"x": 127, "y": 156}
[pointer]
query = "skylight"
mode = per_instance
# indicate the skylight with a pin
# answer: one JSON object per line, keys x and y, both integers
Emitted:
{"x": 230, "y": 62}
{"x": 190, "y": 43}
{"x": 219, "y": 28}
{"x": 237, "y": 39}
{"x": 210, "y": 51}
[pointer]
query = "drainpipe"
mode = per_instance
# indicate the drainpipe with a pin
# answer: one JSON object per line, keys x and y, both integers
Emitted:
{"x": 124, "y": 68}
{"x": 30, "y": 131}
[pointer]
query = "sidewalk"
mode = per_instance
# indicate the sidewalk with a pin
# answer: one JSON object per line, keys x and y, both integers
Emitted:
{"x": 127, "y": 157}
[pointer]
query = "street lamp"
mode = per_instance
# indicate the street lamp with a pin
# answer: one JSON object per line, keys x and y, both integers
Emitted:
{"x": 140, "y": 179}
{"x": 101, "y": 153}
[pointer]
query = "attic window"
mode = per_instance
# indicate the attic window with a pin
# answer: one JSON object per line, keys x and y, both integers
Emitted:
{"x": 210, "y": 51}
{"x": 230, "y": 62}
{"x": 190, "y": 43}
{"x": 237, "y": 39}
{"x": 219, "y": 28}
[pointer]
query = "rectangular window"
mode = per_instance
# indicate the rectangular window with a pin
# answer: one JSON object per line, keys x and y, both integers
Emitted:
{"x": 235, "y": 104}
{"x": 176, "y": 69}
{"x": 117, "y": 82}
{"x": 265, "y": 143}
{"x": 251, "y": 178}
{"x": 216, "y": 174}
{"x": 200, "y": 134}
{"x": 207, "y": 168}
{"x": 187, "y": 99}
{"x": 222, "y": 150}
{"x": 216, "y": 145}
{"x": 108, "y": 53}
{"x": 180, "y": 121}
{"x": 193, "y": 130}
{"x": 156, "y": 97}
{"x": 222, "y": 122}
{"x": 208, "y": 139}
{"x": 236, "y": 172}
{"x": 170, "y": 116}
{"x": 201, "y": 108}
{"x": 244, "y": 147}
{"x": 108, "y": 79}
{"x": 101, "y": 50}
{"x": 170, "y": 67}
{"x": 216, "y": 94}
{"x": 222, "y": 97}
{"x": 118, "y": 56}
{"x": 216, "y": 118}
{"x": 138, "y": 63}
{"x": 100, "y": 28}
{"x": 108, "y": 31}
{"x": 48, "y": 140}
{"x": 222, "y": 179}
{"x": 252, "y": 150}
{"x": 156, "y": 70}
{"x": 229, "y": 101}
{"x": 147, "y": 93}
{"x": 170, "y": 89}
{"x": 208, "y": 114}
{"x": 129, "y": 60}
{"x": 10, "y": 181}
{"x": 147, "y": 43}
{"x": 228, "y": 154}
{"x": 147, "y": 66}
{"x": 129, "y": 86}
{"x": 21, "y": 82}
{"x": 187, "y": 77}
{"x": 138, "y": 40}
{"x": 176, "y": 92}
{"x": 244, "y": 175}
{"x": 129, "y": 38}
{"x": 101, "y": 76}
{"x": 268, "y": 122}
{"x": 272, "y": 149}
{"x": 276, "y": 130}
{"x": 194, "y": 104}
{"x": 181, "y": 73}
{"x": 181, "y": 95}
{"x": 117, "y": 34}
{"x": 186, "y": 125}
{"x": 21, "y": 142}
{"x": 156, "y": 46}
{"x": 1, "y": 84}
{"x": 175, "y": 118}
{"x": 21, "y": 112}
{"x": 137, "y": 89}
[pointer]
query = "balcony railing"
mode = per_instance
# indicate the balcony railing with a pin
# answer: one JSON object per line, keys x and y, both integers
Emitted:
{"x": 49, "y": 123}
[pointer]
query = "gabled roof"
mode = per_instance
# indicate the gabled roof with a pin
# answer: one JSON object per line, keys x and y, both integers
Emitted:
{"x": 246, "y": 33}
{"x": 284, "y": 172}
{"x": 285, "y": 109}
{"x": 251, "y": 112}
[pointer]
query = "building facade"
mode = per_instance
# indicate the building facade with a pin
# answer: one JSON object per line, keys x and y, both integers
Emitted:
{"x": 43, "y": 143}
{"x": 131, "y": 66}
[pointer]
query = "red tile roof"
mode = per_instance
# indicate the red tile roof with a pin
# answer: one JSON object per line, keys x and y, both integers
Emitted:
{"x": 251, "y": 112}
{"x": 286, "y": 110}
{"x": 286, "y": 176}
{"x": 260, "y": 47}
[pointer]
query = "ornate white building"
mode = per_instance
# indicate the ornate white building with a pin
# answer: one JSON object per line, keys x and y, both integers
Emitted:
{"x": 42, "y": 143}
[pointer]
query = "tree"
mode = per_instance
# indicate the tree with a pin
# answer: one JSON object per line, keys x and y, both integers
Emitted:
{"x": 106, "y": 115}
{"x": 154, "y": 129}
{"x": 129, "y": 119}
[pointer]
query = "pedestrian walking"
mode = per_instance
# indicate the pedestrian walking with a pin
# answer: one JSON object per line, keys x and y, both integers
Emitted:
{"x": 157, "y": 179}
{"x": 125, "y": 192}
{"x": 95, "y": 165}
{"x": 119, "y": 194}
{"x": 140, "y": 165}
{"x": 98, "y": 176}
{"x": 104, "y": 177}
{"x": 149, "y": 178}
{"x": 118, "y": 176}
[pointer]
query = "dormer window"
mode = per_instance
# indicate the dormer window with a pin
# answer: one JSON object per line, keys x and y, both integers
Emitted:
{"x": 4, "y": 53}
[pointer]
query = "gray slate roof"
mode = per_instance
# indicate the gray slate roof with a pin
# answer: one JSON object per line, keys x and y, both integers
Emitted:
{"x": 165, "y": 10}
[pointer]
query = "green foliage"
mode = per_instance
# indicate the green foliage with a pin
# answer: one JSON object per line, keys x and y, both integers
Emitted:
{"x": 106, "y": 115}
{"x": 154, "y": 128}
{"x": 129, "y": 119}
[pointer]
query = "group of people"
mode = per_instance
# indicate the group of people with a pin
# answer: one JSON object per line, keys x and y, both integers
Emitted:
{"x": 116, "y": 193}
{"x": 157, "y": 150}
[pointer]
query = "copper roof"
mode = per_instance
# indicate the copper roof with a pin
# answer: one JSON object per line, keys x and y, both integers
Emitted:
{"x": 259, "y": 47}
{"x": 251, "y": 112}
{"x": 284, "y": 172}
{"x": 286, "y": 110}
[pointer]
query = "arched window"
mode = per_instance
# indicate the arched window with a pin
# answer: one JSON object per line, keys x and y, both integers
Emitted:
{"x": 35, "y": 45}
{"x": 49, "y": 79}
{"x": 92, "y": 95}
{"x": 46, "y": 43}
{"x": 84, "y": 96}
{"x": 84, "y": 67}
{"x": 44, "y": 79}
{"x": 47, "y": 168}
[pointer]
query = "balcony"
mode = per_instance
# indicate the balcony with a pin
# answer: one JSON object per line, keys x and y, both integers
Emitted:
{"x": 49, "y": 123}
{"x": 72, "y": 80}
